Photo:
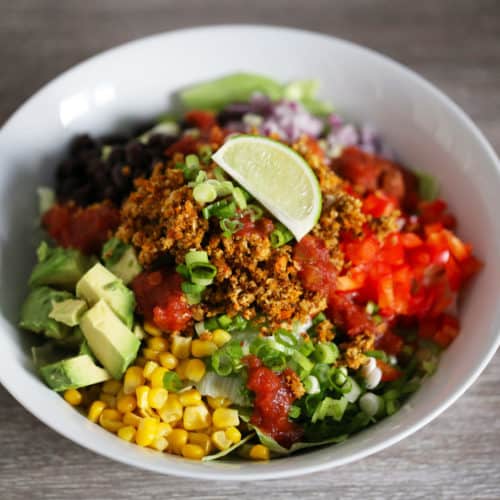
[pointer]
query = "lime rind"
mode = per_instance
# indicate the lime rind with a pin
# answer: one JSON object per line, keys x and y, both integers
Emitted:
{"x": 289, "y": 189}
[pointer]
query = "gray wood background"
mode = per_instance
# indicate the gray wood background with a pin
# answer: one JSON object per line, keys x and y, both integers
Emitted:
{"x": 456, "y": 45}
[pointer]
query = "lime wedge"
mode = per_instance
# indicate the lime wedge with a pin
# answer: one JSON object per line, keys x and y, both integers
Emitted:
{"x": 275, "y": 175}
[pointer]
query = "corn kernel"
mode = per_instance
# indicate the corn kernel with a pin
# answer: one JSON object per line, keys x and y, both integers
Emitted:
{"x": 176, "y": 440}
{"x": 150, "y": 354}
{"x": 149, "y": 368}
{"x": 108, "y": 399}
{"x": 259, "y": 452}
{"x": 164, "y": 429}
{"x": 158, "y": 344}
{"x": 181, "y": 369}
{"x": 233, "y": 434}
{"x": 126, "y": 403}
{"x": 111, "y": 387}
{"x": 181, "y": 346}
{"x": 147, "y": 412}
{"x": 202, "y": 348}
{"x": 220, "y": 440}
{"x": 133, "y": 378}
{"x": 95, "y": 410}
{"x": 160, "y": 444}
{"x": 202, "y": 440}
{"x": 142, "y": 395}
{"x": 192, "y": 451}
{"x": 157, "y": 397}
{"x": 220, "y": 337}
{"x": 218, "y": 402}
{"x": 168, "y": 360}
{"x": 196, "y": 418}
{"x": 131, "y": 419}
{"x": 146, "y": 432}
{"x": 73, "y": 397}
{"x": 157, "y": 376}
{"x": 191, "y": 397}
{"x": 171, "y": 411}
{"x": 110, "y": 414}
{"x": 225, "y": 417}
{"x": 195, "y": 370}
{"x": 127, "y": 433}
{"x": 110, "y": 425}
{"x": 152, "y": 329}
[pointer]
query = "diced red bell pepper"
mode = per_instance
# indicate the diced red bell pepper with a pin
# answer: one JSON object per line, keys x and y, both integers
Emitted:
{"x": 379, "y": 204}
{"x": 389, "y": 372}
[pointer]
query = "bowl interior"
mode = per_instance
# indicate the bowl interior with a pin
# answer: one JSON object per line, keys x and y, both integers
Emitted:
{"x": 136, "y": 82}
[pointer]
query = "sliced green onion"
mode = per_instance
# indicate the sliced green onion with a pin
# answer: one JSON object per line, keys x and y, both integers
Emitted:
{"x": 202, "y": 273}
{"x": 411, "y": 386}
{"x": 294, "y": 411}
{"x": 378, "y": 355}
{"x": 330, "y": 407}
{"x": 183, "y": 270}
{"x": 254, "y": 211}
{"x": 222, "y": 363}
{"x": 305, "y": 363}
{"x": 312, "y": 401}
{"x": 321, "y": 372}
{"x": 286, "y": 338}
{"x": 306, "y": 347}
{"x": 230, "y": 226}
{"x": 192, "y": 162}
{"x": 392, "y": 406}
{"x": 371, "y": 404}
{"x": 220, "y": 175}
{"x": 224, "y": 188}
{"x": 193, "y": 292}
{"x": 311, "y": 385}
{"x": 200, "y": 327}
{"x": 204, "y": 193}
{"x": 354, "y": 393}
{"x": 326, "y": 352}
{"x": 221, "y": 209}
{"x": 201, "y": 176}
{"x": 318, "y": 319}
{"x": 239, "y": 323}
{"x": 371, "y": 307}
{"x": 211, "y": 324}
{"x": 196, "y": 257}
{"x": 224, "y": 321}
{"x": 205, "y": 153}
{"x": 280, "y": 236}
{"x": 172, "y": 382}
{"x": 239, "y": 198}
{"x": 430, "y": 365}
{"x": 391, "y": 394}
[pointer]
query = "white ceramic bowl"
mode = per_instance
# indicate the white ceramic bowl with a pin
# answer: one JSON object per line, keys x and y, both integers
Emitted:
{"x": 135, "y": 82}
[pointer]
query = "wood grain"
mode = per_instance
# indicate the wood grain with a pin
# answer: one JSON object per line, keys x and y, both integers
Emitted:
{"x": 456, "y": 45}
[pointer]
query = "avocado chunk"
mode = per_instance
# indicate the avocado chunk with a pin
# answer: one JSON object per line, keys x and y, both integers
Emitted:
{"x": 36, "y": 310}
{"x": 121, "y": 260}
{"x": 85, "y": 349}
{"x": 47, "y": 353}
{"x": 72, "y": 373}
{"x": 99, "y": 283}
{"x": 68, "y": 311}
{"x": 60, "y": 267}
{"x": 113, "y": 344}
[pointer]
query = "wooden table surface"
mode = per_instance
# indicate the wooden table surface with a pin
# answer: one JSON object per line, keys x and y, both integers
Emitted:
{"x": 456, "y": 45}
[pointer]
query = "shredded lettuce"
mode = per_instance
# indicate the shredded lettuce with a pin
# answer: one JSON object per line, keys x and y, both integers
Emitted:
{"x": 224, "y": 453}
{"x": 216, "y": 386}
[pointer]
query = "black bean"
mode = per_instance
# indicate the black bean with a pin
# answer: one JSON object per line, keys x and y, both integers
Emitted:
{"x": 81, "y": 143}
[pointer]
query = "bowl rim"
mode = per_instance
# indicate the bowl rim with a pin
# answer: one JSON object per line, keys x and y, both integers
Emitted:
{"x": 371, "y": 449}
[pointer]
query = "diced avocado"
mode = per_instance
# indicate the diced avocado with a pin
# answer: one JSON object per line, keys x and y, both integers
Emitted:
{"x": 58, "y": 267}
{"x": 47, "y": 353}
{"x": 68, "y": 311}
{"x": 36, "y": 309}
{"x": 72, "y": 373}
{"x": 113, "y": 344}
{"x": 139, "y": 331}
{"x": 99, "y": 283}
{"x": 72, "y": 340}
{"x": 85, "y": 349}
{"x": 121, "y": 260}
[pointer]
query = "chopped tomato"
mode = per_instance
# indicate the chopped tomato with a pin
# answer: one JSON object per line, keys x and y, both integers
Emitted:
{"x": 435, "y": 212}
{"x": 86, "y": 229}
{"x": 379, "y": 204}
{"x": 273, "y": 398}
{"x": 441, "y": 329}
{"x": 160, "y": 299}
{"x": 187, "y": 144}
{"x": 343, "y": 311}
{"x": 389, "y": 372}
{"x": 390, "y": 343}
{"x": 203, "y": 120}
{"x": 263, "y": 226}
{"x": 362, "y": 251}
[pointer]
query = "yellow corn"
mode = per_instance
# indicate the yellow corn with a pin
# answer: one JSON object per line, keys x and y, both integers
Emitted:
{"x": 168, "y": 360}
{"x": 150, "y": 354}
{"x": 108, "y": 399}
{"x": 202, "y": 440}
{"x": 220, "y": 440}
{"x": 152, "y": 329}
{"x": 219, "y": 402}
{"x": 111, "y": 387}
{"x": 158, "y": 344}
{"x": 233, "y": 434}
{"x": 157, "y": 376}
{"x": 190, "y": 397}
{"x": 181, "y": 369}
{"x": 110, "y": 414}
{"x": 193, "y": 451}
{"x": 147, "y": 412}
{"x": 95, "y": 410}
{"x": 259, "y": 452}
{"x": 110, "y": 420}
{"x": 157, "y": 397}
{"x": 195, "y": 370}
{"x": 164, "y": 429}
{"x": 149, "y": 368}
{"x": 220, "y": 337}
{"x": 133, "y": 378}
{"x": 202, "y": 348}
{"x": 142, "y": 395}
{"x": 196, "y": 418}
{"x": 73, "y": 397}
{"x": 171, "y": 411}
{"x": 225, "y": 417}
{"x": 176, "y": 440}
{"x": 127, "y": 433}
{"x": 126, "y": 403}
{"x": 146, "y": 432}
{"x": 131, "y": 419}
{"x": 180, "y": 346}
{"x": 160, "y": 444}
